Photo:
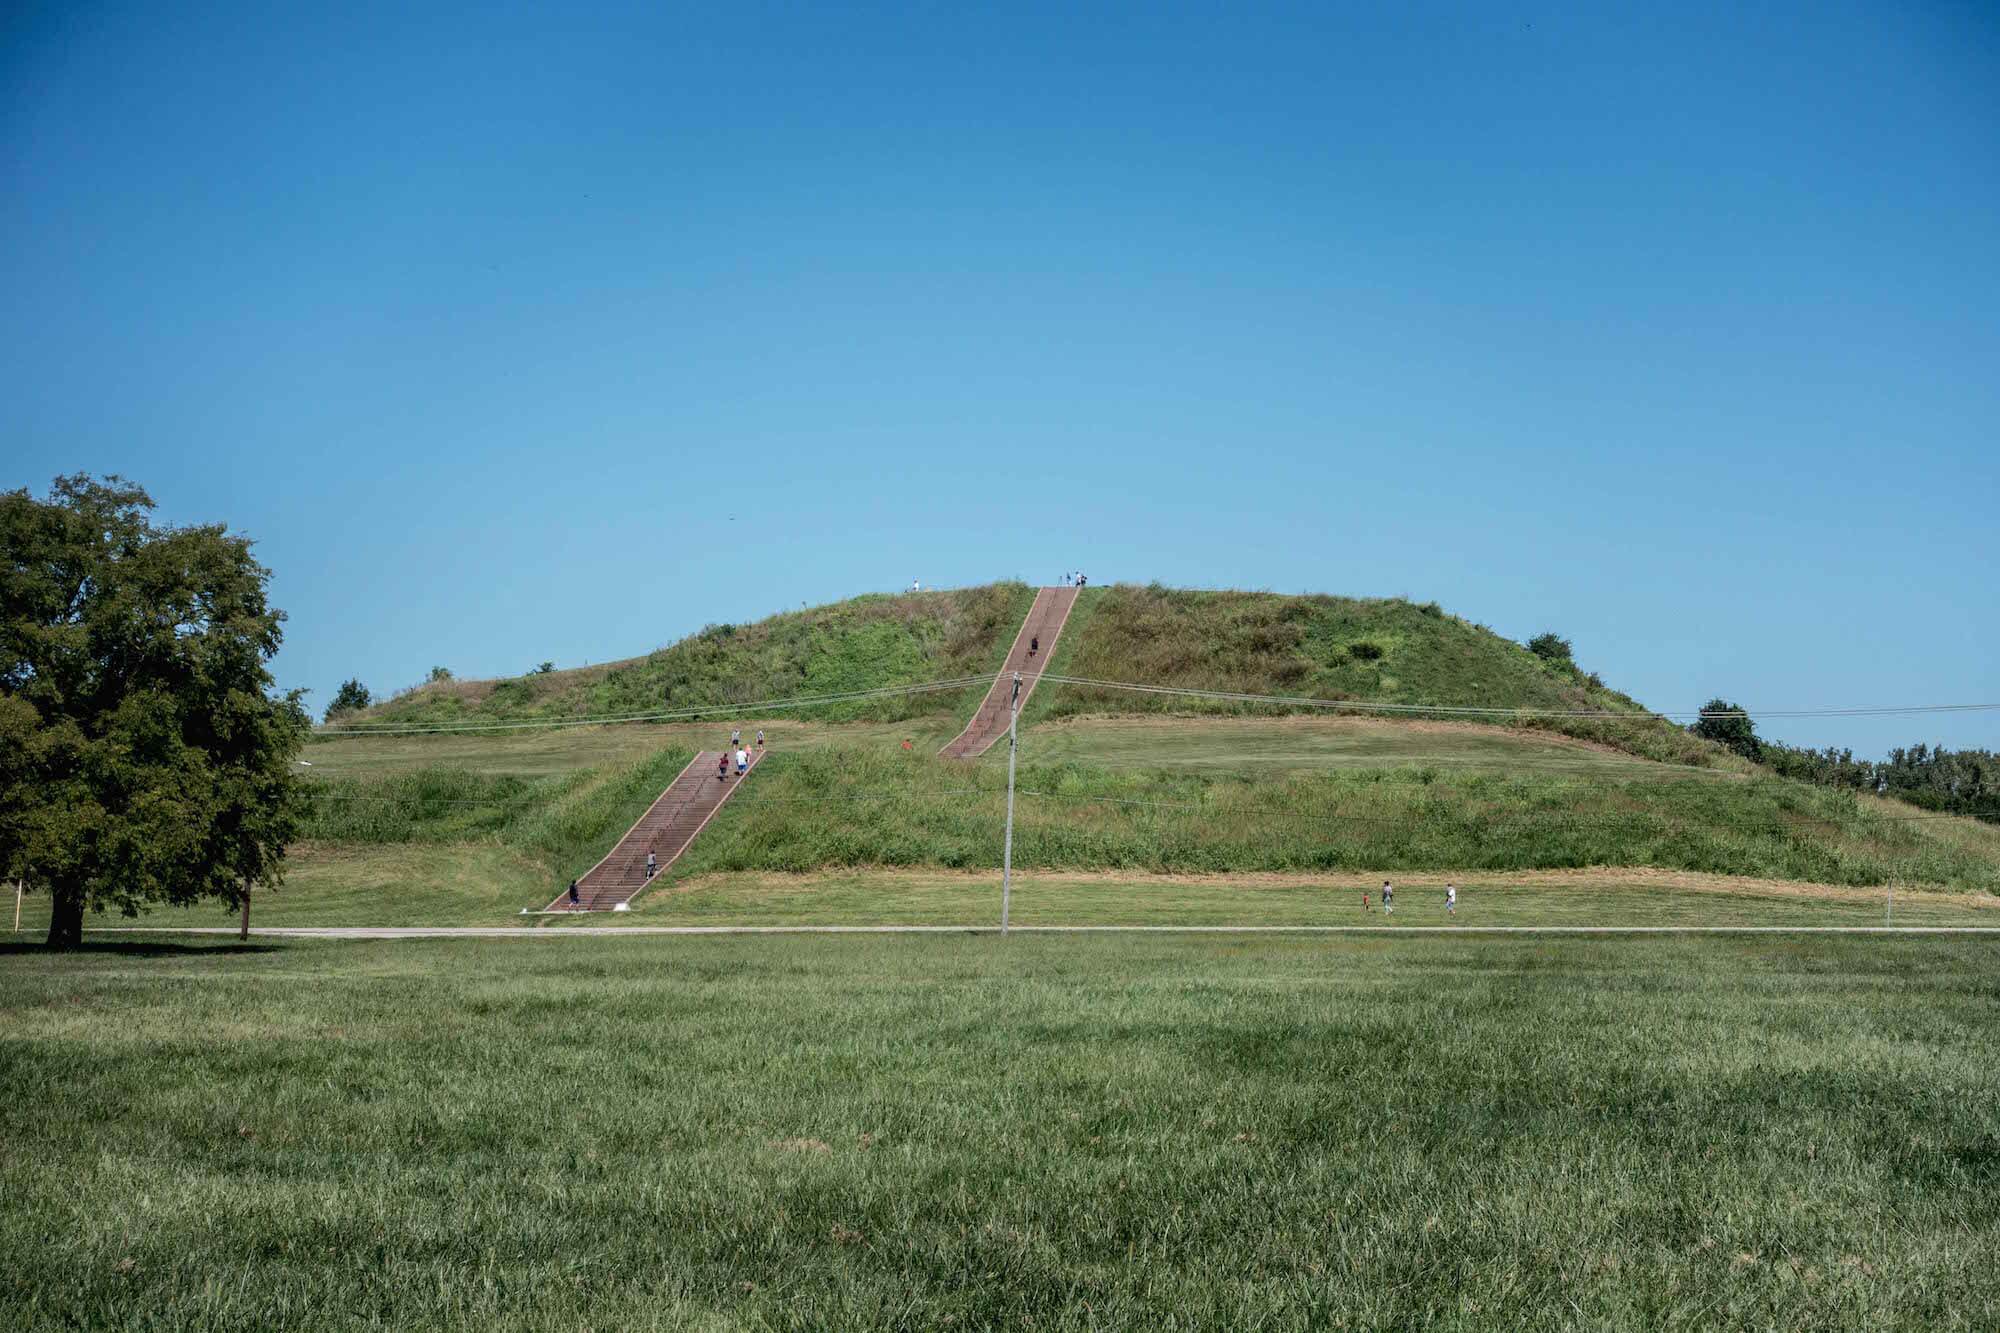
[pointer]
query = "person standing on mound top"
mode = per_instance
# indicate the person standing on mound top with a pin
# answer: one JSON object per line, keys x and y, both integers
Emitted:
{"x": 1450, "y": 900}
{"x": 760, "y": 738}
{"x": 736, "y": 737}
{"x": 1388, "y": 896}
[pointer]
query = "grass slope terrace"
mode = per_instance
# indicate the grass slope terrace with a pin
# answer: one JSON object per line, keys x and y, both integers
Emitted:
{"x": 831, "y": 808}
{"x": 1367, "y": 650}
{"x": 1370, "y": 650}
{"x": 864, "y": 643}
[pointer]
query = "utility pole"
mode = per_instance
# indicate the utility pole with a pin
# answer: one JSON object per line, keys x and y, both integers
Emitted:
{"x": 1007, "y": 848}
{"x": 17, "y": 907}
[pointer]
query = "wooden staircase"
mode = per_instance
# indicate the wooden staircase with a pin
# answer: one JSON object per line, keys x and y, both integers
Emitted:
{"x": 666, "y": 829}
{"x": 1045, "y": 621}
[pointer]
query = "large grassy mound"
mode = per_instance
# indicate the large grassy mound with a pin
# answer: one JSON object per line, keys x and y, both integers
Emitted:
{"x": 1367, "y": 650}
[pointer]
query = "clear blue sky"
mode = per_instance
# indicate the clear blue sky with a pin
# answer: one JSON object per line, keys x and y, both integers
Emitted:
{"x": 524, "y": 332}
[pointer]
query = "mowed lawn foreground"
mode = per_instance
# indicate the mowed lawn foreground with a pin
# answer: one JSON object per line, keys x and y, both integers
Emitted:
{"x": 927, "y": 1132}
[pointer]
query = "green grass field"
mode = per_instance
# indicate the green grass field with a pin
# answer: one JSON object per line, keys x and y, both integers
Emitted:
{"x": 474, "y": 885}
{"x": 1594, "y": 898}
{"x": 1051, "y": 1133}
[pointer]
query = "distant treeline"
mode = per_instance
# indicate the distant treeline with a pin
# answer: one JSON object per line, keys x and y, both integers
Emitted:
{"x": 1959, "y": 782}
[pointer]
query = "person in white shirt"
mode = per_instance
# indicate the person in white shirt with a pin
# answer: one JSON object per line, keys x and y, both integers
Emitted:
{"x": 1451, "y": 900}
{"x": 742, "y": 761}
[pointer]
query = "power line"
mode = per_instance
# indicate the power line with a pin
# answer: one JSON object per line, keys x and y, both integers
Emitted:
{"x": 1631, "y": 715}
{"x": 1606, "y": 817}
{"x": 1178, "y": 691}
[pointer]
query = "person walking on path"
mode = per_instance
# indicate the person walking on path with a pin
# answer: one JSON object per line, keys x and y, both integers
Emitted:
{"x": 574, "y": 901}
{"x": 736, "y": 737}
{"x": 1388, "y": 896}
{"x": 1450, "y": 900}
{"x": 760, "y": 738}
{"x": 652, "y": 863}
{"x": 1364, "y": 901}
{"x": 1034, "y": 645}
{"x": 742, "y": 761}
{"x": 722, "y": 767}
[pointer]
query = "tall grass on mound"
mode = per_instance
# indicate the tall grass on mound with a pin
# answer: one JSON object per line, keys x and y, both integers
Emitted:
{"x": 1368, "y": 650}
{"x": 865, "y": 643}
{"x": 829, "y": 808}
{"x": 565, "y": 822}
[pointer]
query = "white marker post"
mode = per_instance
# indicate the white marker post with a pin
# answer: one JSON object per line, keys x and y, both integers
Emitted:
{"x": 1007, "y": 848}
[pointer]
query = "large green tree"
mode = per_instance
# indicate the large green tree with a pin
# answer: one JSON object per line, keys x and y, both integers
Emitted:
{"x": 144, "y": 756}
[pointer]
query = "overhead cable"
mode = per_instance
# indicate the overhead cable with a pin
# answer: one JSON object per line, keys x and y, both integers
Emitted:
{"x": 1629, "y": 715}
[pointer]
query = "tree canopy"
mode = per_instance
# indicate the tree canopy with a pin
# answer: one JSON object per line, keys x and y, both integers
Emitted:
{"x": 351, "y": 697}
{"x": 143, "y": 754}
{"x": 1727, "y": 724}
{"x": 1551, "y": 647}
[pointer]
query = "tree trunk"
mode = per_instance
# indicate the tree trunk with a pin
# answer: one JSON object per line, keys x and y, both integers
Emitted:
{"x": 65, "y": 919}
{"x": 244, "y": 933}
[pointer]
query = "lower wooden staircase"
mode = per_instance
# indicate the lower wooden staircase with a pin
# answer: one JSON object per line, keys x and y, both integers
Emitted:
{"x": 666, "y": 829}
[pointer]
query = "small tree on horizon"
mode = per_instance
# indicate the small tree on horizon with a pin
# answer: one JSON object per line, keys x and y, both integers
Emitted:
{"x": 1727, "y": 724}
{"x": 1551, "y": 647}
{"x": 352, "y": 697}
{"x": 440, "y": 674}
{"x": 143, "y": 755}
